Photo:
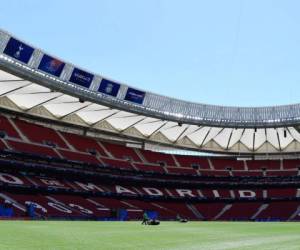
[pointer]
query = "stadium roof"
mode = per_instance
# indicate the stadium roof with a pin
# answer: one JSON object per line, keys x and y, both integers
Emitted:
{"x": 35, "y": 83}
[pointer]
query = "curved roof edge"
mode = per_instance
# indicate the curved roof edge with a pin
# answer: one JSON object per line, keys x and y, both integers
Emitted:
{"x": 33, "y": 64}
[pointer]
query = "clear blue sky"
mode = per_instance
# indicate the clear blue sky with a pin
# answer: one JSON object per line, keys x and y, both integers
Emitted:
{"x": 233, "y": 52}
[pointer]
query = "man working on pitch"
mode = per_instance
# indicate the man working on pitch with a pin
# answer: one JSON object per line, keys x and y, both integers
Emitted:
{"x": 145, "y": 218}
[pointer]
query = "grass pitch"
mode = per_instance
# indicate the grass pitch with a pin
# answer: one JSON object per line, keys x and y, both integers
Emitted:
{"x": 57, "y": 235}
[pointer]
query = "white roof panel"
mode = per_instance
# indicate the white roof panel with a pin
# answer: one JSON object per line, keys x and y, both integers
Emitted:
{"x": 260, "y": 138}
{"x": 27, "y": 95}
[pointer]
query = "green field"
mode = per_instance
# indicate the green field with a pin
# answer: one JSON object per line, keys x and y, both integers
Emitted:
{"x": 132, "y": 236}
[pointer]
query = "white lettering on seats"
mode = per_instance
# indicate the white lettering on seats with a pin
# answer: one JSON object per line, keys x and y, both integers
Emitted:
{"x": 59, "y": 207}
{"x": 185, "y": 192}
{"x": 8, "y": 178}
{"x": 247, "y": 194}
{"x": 37, "y": 206}
{"x": 89, "y": 186}
{"x": 120, "y": 190}
{"x": 52, "y": 182}
{"x": 216, "y": 193}
{"x": 81, "y": 209}
{"x": 153, "y": 191}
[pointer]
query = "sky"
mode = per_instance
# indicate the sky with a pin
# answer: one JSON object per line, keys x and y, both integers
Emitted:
{"x": 233, "y": 52}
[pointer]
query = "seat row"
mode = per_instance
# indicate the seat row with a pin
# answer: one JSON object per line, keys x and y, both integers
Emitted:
{"x": 24, "y": 136}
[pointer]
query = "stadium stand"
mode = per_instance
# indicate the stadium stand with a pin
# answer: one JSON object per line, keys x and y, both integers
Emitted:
{"x": 193, "y": 162}
{"x": 84, "y": 144}
{"x": 80, "y": 153}
{"x": 26, "y": 147}
{"x": 77, "y": 177}
{"x": 7, "y": 127}
{"x": 40, "y": 134}
{"x": 158, "y": 158}
{"x": 121, "y": 152}
{"x": 241, "y": 211}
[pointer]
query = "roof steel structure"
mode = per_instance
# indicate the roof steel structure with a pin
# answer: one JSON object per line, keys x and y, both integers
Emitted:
{"x": 26, "y": 89}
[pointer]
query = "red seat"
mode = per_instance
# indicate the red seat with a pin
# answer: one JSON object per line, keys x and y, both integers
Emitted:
{"x": 121, "y": 152}
{"x": 282, "y": 173}
{"x": 247, "y": 173}
{"x": 223, "y": 164}
{"x": 76, "y": 156}
{"x": 217, "y": 173}
{"x": 279, "y": 210}
{"x": 155, "y": 157}
{"x": 149, "y": 168}
{"x": 83, "y": 143}
{"x": 40, "y": 134}
{"x": 209, "y": 210}
{"x": 291, "y": 164}
{"x": 2, "y": 145}
{"x": 8, "y": 128}
{"x": 172, "y": 209}
{"x": 282, "y": 192}
{"x": 49, "y": 208}
{"x": 187, "y": 161}
{"x": 187, "y": 171}
{"x": 32, "y": 148}
{"x": 241, "y": 211}
{"x": 259, "y": 164}
{"x": 117, "y": 163}
{"x": 81, "y": 204}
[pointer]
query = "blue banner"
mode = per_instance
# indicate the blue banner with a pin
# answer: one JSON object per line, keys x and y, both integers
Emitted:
{"x": 109, "y": 87}
{"x": 152, "y": 215}
{"x": 134, "y": 95}
{"x": 122, "y": 214}
{"x": 51, "y": 65}
{"x": 81, "y": 77}
{"x": 18, "y": 50}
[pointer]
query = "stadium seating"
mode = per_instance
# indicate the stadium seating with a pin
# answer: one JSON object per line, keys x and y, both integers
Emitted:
{"x": 177, "y": 208}
{"x": 216, "y": 173}
{"x": 282, "y": 192}
{"x": 40, "y": 134}
{"x": 84, "y": 144}
{"x": 154, "y": 157}
{"x": 291, "y": 164}
{"x": 192, "y": 161}
{"x": 25, "y": 147}
{"x": 77, "y": 156}
{"x": 46, "y": 141}
{"x": 281, "y": 173}
{"x": 247, "y": 173}
{"x": 278, "y": 211}
{"x": 2, "y": 145}
{"x": 260, "y": 164}
{"x": 7, "y": 127}
{"x": 209, "y": 211}
{"x": 115, "y": 163}
{"x": 45, "y": 206}
{"x": 149, "y": 167}
{"x": 73, "y": 176}
{"x": 241, "y": 211}
{"x": 180, "y": 170}
{"x": 121, "y": 152}
{"x": 222, "y": 164}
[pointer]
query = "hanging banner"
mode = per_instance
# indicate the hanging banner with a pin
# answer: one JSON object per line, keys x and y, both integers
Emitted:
{"x": 51, "y": 65}
{"x": 109, "y": 87}
{"x": 18, "y": 50}
{"x": 81, "y": 77}
{"x": 134, "y": 95}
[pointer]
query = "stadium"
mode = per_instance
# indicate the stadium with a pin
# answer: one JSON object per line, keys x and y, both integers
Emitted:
{"x": 84, "y": 158}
